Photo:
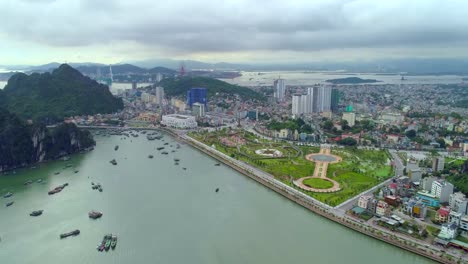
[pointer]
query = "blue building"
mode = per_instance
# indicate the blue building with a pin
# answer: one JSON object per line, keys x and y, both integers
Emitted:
{"x": 197, "y": 95}
{"x": 428, "y": 199}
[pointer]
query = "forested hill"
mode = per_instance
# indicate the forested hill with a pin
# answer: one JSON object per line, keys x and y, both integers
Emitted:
{"x": 22, "y": 144}
{"x": 53, "y": 96}
{"x": 180, "y": 86}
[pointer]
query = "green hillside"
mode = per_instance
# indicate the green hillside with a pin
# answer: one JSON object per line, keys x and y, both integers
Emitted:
{"x": 180, "y": 86}
{"x": 53, "y": 96}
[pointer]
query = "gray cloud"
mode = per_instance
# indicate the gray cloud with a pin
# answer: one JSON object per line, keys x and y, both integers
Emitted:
{"x": 234, "y": 26}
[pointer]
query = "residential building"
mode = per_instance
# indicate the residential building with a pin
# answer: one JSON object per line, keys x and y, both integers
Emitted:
{"x": 159, "y": 91}
{"x": 297, "y": 107}
{"x": 179, "y": 121}
{"x": 383, "y": 209}
{"x": 363, "y": 201}
{"x": 455, "y": 217}
{"x": 324, "y": 99}
{"x": 458, "y": 203}
{"x": 428, "y": 198}
{"x": 372, "y": 205}
{"x": 198, "y": 110}
{"x": 350, "y": 117}
{"x": 442, "y": 190}
{"x": 415, "y": 208}
{"x": 279, "y": 90}
{"x": 415, "y": 175}
{"x": 464, "y": 223}
{"x": 438, "y": 163}
{"x": 197, "y": 95}
{"x": 392, "y": 200}
{"x": 448, "y": 231}
{"x": 442, "y": 215}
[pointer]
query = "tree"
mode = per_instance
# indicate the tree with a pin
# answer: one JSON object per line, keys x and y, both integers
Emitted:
{"x": 441, "y": 142}
{"x": 347, "y": 142}
{"x": 327, "y": 125}
{"x": 411, "y": 134}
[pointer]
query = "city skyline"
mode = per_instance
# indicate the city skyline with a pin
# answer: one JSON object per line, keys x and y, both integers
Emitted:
{"x": 236, "y": 32}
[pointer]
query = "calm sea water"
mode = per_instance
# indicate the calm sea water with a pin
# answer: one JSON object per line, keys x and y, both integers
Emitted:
{"x": 310, "y": 78}
{"x": 164, "y": 214}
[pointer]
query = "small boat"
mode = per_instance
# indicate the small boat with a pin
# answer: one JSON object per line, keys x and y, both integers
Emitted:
{"x": 94, "y": 214}
{"x": 217, "y": 164}
{"x": 8, "y": 194}
{"x": 9, "y": 203}
{"x": 164, "y": 152}
{"x": 184, "y": 168}
{"x": 176, "y": 160}
{"x": 68, "y": 166}
{"x": 39, "y": 180}
{"x": 57, "y": 173}
{"x": 116, "y": 147}
{"x": 150, "y": 156}
{"x": 100, "y": 189}
{"x": 113, "y": 242}
{"x": 217, "y": 190}
{"x": 160, "y": 148}
{"x": 28, "y": 182}
{"x": 72, "y": 233}
{"x": 177, "y": 163}
{"x": 113, "y": 162}
{"x": 108, "y": 243}
{"x": 165, "y": 144}
{"x": 36, "y": 213}
{"x": 77, "y": 171}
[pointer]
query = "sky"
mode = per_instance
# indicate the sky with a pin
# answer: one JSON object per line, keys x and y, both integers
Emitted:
{"x": 256, "y": 31}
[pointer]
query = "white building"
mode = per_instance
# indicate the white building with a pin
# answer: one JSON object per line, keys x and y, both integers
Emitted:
{"x": 458, "y": 203}
{"x": 442, "y": 190}
{"x": 382, "y": 208}
{"x": 350, "y": 117}
{"x": 464, "y": 223}
{"x": 324, "y": 99}
{"x": 363, "y": 201}
{"x": 448, "y": 231}
{"x": 455, "y": 217}
{"x": 179, "y": 121}
{"x": 280, "y": 90}
{"x": 297, "y": 108}
{"x": 427, "y": 183}
{"x": 415, "y": 174}
{"x": 438, "y": 163}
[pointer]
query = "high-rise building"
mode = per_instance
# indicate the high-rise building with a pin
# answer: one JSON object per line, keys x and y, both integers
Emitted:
{"x": 324, "y": 99}
{"x": 134, "y": 85}
{"x": 197, "y": 95}
{"x": 297, "y": 108}
{"x": 159, "y": 95}
{"x": 335, "y": 100}
{"x": 438, "y": 163}
{"x": 198, "y": 109}
{"x": 159, "y": 77}
{"x": 280, "y": 89}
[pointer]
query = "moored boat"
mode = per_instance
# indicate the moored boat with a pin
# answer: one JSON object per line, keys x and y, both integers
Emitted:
{"x": 36, "y": 213}
{"x": 94, "y": 214}
{"x": 7, "y": 195}
{"x": 72, "y": 233}
{"x": 114, "y": 242}
{"x": 9, "y": 203}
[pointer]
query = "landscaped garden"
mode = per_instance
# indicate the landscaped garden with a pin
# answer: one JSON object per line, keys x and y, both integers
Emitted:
{"x": 358, "y": 171}
{"x": 318, "y": 183}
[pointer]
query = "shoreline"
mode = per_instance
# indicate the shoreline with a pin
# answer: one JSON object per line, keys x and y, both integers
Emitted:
{"x": 318, "y": 207}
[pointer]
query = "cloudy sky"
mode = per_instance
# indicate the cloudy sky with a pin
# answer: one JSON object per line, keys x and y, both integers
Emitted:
{"x": 112, "y": 31}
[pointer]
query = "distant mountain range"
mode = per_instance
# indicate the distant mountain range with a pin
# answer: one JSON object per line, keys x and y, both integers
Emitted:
{"x": 411, "y": 66}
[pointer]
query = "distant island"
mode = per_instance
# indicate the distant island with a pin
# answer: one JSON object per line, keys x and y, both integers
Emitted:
{"x": 51, "y": 97}
{"x": 351, "y": 80}
{"x": 180, "y": 86}
{"x": 23, "y": 144}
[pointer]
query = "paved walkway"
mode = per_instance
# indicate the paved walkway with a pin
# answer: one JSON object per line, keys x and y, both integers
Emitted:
{"x": 320, "y": 171}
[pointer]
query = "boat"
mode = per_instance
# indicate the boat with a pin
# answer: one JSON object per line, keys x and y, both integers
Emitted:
{"x": 72, "y": 233}
{"x": 28, "y": 182}
{"x": 113, "y": 162}
{"x": 36, "y": 213}
{"x": 113, "y": 242}
{"x": 66, "y": 158}
{"x": 9, "y": 203}
{"x": 57, "y": 173}
{"x": 100, "y": 189}
{"x": 116, "y": 147}
{"x": 77, "y": 171}
{"x": 165, "y": 144}
{"x": 217, "y": 164}
{"x": 94, "y": 214}
{"x": 8, "y": 194}
{"x": 160, "y": 148}
{"x": 164, "y": 152}
{"x": 108, "y": 242}
{"x": 68, "y": 166}
{"x": 39, "y": 180}
{"x": 176, "y": 160}
{"x": 177, "y": 163}
{"x": 184, "y": 168}
{"x": 150, "y": 156}
{"x": 217, "y": 190}
{"x": 58, "y": 189}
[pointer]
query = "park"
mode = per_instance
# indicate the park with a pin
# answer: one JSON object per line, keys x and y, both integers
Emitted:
{"x": 329, "y": 174}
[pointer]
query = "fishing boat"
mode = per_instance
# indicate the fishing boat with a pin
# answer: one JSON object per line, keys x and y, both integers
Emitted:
{"x": 94, "y": 214}
{"x": 8, "y": 194}
{"x": 36, "y": 213}
{"x": 150, "y": 156}
{"x": 9, "y": 203}
{"x": 116, "y": 147}
{"x": 113, "y": 242}
{"x": 113, "y": 162}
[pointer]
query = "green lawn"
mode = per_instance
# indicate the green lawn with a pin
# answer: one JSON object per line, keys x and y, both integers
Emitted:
{"x": 359, "y": 170}
{"x": 318, "y": 183}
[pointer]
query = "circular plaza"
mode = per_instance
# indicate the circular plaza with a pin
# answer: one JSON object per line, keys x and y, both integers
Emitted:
{"x": 319, "y": 182}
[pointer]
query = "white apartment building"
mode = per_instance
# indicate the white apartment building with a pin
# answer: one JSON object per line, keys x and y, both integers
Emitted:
{"x": 442, "y": 190}
{"x": 179, "y": 121}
